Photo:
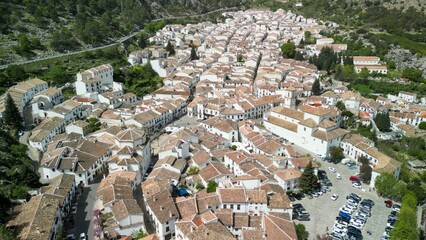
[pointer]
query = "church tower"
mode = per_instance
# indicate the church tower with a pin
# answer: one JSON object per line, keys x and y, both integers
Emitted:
{"x": 290, "y": 98}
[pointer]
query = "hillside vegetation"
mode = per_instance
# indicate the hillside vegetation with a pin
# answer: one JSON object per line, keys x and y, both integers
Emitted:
{"x": 392, "y": 21}
{"x": 43, "y": 27}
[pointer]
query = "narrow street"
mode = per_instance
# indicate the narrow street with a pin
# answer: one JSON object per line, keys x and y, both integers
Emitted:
{"x": 83, "y": 221}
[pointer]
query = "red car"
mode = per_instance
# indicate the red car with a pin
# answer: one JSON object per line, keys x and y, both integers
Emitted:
{"x": 354, "y": 178}
{"x": 388, "y": 203}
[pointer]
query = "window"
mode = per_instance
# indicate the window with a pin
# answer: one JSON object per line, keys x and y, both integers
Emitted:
{"x": 232, "y": 206}
{"x": 53, "y": 170}
{"x": 79, "y": 174}
{"x": 167, "y": 229}
{"x": 238, "y": 207}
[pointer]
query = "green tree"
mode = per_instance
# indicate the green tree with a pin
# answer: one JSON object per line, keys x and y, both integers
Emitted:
{"x": 403, "y": 231}
{"x": 211, "y": 186}
{"x": 392, "y": 65}
{"x": 143, "y": 40}
{"x": 412, "y": 74}
{"x": 199, "y": 186}
{"x": 299, "y": 56}
{"x": 11, "y": 115}
{"x": 316, "y": 88}
{"x": 336, "y": 153}
{"x": 382, "y": 121}
{"x": 6, "y": 234}
{"x": 170, "y": 48}
{"x": 384, "y": 184}
{"x": 194, "y": 55}
{"x": 24, "y": 47}
{"x": 410, "y": 200}
{"x": 20, "y": 192}
{"x": 58, "y": 75}
{"x": 308, "y": 34}
{"x": 422, "y": 126}
{"x": 288, "y": 50}
{"x": 63, "y": 40}
{"x": 234, "y": 147}
{"x": 365, "y": 169}
{"x": 326, "y": 60}
{"x": 364, "y": 73}
{"x": 240, "y": 57}
{"x": 140, "y": 235}
{"x": 341, "y": 106}
{"x": 193, "y": 170}
{"x": 301, "y": 232}
{"x": 308, "y": 181}
{"x": 94, "y": 124}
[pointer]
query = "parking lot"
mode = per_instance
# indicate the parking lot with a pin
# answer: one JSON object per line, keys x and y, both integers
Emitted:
{"x": 323, "y": 210}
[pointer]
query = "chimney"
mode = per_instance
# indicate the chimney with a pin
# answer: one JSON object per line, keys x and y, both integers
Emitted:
{"x": 161, "y": 208}
{"x": 192, "y": 229}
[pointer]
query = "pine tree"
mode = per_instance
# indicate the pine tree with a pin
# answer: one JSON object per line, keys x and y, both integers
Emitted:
{"x": 316, "y": 88}
{"x": 170, "y": 48}
{"x": 142, "y": 41}
{"x": 12, "y": 116}
{"x": 308, "y": 181}
{"x": 194, "y": 55}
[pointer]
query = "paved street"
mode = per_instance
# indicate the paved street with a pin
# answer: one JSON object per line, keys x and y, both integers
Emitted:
{"x": 323, "y": 210}
{"x": 84, "y": 217}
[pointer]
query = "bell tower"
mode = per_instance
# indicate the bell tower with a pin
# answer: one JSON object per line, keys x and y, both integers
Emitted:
{"x": 290, "y": 98}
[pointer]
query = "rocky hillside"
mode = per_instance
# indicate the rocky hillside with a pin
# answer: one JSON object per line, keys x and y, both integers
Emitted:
{"x": 38, "y": 28}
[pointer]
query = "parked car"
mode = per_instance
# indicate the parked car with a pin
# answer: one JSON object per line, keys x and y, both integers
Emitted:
{"x": 298, "y": 195}
{"x": 367, "y": 202}
{"x": 352, "y": 201}
{"x": 338, "y": 176}
{"x": 303, "y": 217}
{"x": 332, "y": 169}
{"x": 354, "y": 196}
{"x": 345, "y": 216}
{"x": 334, "y": 197}
{"x": 388, "y": 203}
{"x": 71, "y": 236}
{"x": 354, "y": 179}
{"x": 83, "y": 236}
{"x": 356, "y": 185}
{"x": 74, "y": 210}
{"x": 396, "y": 207}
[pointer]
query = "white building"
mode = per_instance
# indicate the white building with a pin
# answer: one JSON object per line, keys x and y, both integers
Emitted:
{"x": 309, "y": 128}
{"x": 356, "y": 146}
{"x": 98, "y": 79}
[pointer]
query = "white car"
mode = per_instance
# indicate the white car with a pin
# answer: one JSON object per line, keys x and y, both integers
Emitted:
{"x": 334, "y": 197}
{"x": 346, "y": 210}
{"x": 351, "y": 207}
{"x": 356, "y": 185}
{"x": 357, "y": 225}
{"x": 352, "y": 202}
{"x": 83, "y": 236}
{"x": 339, "y": 228}
{"x": 332, "y": 169}
{"x": 338, "y": 176}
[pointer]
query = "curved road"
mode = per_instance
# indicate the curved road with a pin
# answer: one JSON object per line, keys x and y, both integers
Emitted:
{"x": 123, "y": 39}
